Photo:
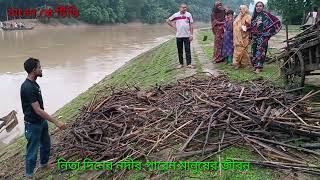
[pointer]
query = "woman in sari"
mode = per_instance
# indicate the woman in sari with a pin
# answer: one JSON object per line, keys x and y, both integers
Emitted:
{"x": 227, "y": 50}
{"x": 263, "y": 26}
{"x": 241, "y": 38}
{"x": 217, "y": 22}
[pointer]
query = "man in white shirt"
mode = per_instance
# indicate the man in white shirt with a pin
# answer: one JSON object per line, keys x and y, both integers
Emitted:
{"x": 182, "y": 22}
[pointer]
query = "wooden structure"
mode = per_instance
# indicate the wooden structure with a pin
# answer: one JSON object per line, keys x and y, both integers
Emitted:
{"x": 9, "y": 122}
{"x": 301, "y": 57}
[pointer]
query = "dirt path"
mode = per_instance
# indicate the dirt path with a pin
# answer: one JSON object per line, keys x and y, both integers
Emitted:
{"x": 206, "y": 63}
{"x": 198, "y": 53}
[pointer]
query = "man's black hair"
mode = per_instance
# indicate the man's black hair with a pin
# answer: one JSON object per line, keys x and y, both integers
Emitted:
{"x": 183, "y": 4}
{"x": 230, "y": 12}
{"x": 315, "y": 9}
{"x": 31, "y": 64}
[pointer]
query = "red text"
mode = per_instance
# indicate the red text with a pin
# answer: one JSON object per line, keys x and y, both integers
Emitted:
{"x": 58, "y": 11}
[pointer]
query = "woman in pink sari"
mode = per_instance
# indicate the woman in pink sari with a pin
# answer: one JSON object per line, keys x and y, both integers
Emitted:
{"x": 217, "y": 22}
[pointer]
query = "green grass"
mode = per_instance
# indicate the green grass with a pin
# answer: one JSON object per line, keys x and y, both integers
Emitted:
{"x": 203, "y": 33}
{"x": 316, "y": 98}
{"x": 199, "y": 67}
{"x": 293, "y": 28}
{"x": 270, "y": 71}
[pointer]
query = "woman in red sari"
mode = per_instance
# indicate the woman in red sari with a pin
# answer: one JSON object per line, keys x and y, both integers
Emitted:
{"x": 217, "y": 22}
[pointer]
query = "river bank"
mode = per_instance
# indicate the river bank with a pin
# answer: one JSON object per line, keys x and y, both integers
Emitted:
{"x": 75, "y": 56}
{"x": 148, "y": 69}
{"x": 154, "y": 67}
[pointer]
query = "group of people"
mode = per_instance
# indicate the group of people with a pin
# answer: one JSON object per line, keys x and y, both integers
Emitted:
{"x": 234, "y": 36}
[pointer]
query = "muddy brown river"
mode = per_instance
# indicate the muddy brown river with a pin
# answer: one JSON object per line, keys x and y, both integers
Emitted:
{"x": 73, "y": 59}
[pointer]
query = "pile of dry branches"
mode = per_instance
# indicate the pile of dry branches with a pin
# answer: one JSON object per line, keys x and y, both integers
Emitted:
{"x": 310, "y": 35}
{"x": 197, "y": 116}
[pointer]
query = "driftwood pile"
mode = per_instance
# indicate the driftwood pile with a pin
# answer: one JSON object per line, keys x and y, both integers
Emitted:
{"x": 309, "y": 36}
{"x": 198, "y": 117}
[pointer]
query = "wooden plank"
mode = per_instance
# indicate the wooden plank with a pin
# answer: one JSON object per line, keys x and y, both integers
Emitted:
{"x": 310, "y": 57}
{"x": 312, "y": 67}
{"x": 318, "y": 54}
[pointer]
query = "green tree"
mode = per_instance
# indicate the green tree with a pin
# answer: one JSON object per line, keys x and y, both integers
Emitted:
{"x": 116, "y": 11}
{"x": 133, "y": 9}
{"x": 153, "y": 12}
{"x": 291, "y": 10}
{"x": 315, "y": 3}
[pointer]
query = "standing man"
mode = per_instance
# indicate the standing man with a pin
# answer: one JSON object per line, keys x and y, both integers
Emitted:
{"x": 182, "y": 22}
{"x": 35, "y": 119}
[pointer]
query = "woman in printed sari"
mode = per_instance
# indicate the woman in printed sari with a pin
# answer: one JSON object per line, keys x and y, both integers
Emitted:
{"x": 241, "y": 38}
{"x": 263, "y": 26}
{"x": 217, "y": 22}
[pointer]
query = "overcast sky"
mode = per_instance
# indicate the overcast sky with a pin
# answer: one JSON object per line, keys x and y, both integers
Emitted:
{"x": 265, "y": 1}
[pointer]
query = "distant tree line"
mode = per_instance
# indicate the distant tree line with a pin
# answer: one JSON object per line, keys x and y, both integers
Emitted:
{"x": 155, "y": 11}
{"x": 294, "y": 11}
{"x": 118, "y": 11}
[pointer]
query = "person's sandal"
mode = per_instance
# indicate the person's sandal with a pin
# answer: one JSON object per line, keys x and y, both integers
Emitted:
{"x": 47, "y": 166}
{"x": 179, "y": 66}
{"x": 44, "y": 167}
{"x": 27, "y": 177}
{"x": 2, "y": 175}
{"x": 258, "y": 71}
{"x": 190, "y": 66}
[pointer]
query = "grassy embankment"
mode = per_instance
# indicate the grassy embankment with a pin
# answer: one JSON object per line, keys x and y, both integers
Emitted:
{"x": 255, "y": 173}
{"x": 243, "y": 75}
{"x": 151, "y": 68}
{"x": 270, "y": 71}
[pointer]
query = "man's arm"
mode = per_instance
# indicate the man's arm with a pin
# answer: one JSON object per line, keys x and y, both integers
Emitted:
{"x": 191, "y": 27}
{"x": 169, "y": 22}
{"x": 37, "y": 109}
{"x": 191, "y": 31}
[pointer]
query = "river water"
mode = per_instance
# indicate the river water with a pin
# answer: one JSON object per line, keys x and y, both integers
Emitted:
{"x": 72, "y": 59}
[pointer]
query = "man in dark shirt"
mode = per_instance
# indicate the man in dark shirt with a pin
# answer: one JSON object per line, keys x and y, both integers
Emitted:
{"x": 35, "y": 118}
